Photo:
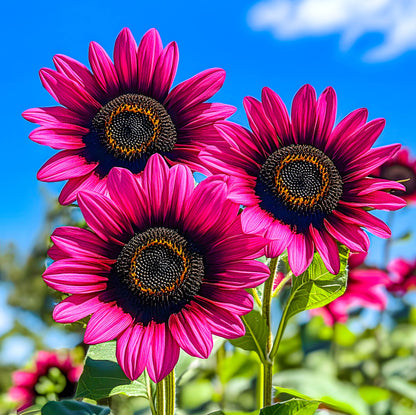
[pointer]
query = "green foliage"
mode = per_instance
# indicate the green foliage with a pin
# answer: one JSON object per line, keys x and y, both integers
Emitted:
{"x": 292, "y": 407}
{"x": 256, "y": 334}
{"x": 102, "y": 376}
{"x": 317, "y": 287}
{"x": 73, "y": 408}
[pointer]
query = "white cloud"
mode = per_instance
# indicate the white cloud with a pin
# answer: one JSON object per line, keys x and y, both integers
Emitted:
{"x": 295, "y": 19}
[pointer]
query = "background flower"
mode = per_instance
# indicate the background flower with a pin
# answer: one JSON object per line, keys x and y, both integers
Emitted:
{"x": 54, "y": 375}
{"x": 303, "y": 182}
{"x": 402, "y": 275}
{"x": 121, "y": 113}
{"x": 161, "y": 270}
{"x": 364, "y": 290}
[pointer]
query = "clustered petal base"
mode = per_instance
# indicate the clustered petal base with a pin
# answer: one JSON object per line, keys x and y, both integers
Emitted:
{"x": 304, "y": 183}
{"x": 162, "y": 268}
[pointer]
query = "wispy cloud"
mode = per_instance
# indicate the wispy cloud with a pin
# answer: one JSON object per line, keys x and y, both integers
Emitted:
{"x": 294, "y": 19}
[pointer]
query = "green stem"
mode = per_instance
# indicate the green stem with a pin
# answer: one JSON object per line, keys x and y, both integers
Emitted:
{"x": 149, "y": 393}
{"x": 267, "y": 364}
{"x": 260, "y": 386}
{"x": 256, "y": 296}
{"x": 170, "y": 393}
{"x": 160, "y": 398}
{"x": 280, "y": 330}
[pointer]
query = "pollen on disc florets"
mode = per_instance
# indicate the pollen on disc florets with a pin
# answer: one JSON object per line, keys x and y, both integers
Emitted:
{"x": 132, "y": 125}
{"x": 162, "y": 272}
{"x": 299, "y": 185}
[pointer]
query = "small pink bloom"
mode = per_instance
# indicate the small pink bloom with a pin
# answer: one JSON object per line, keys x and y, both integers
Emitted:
{"x": 402, "y": 168}
{"x": 162, "y": 268}
{"x": 119, "y": 113}
{"x": 402, "y": 275}
{"x": 304, "y": 183}
{"x": 364, "y": 289}
{"x": 26, "y": 387}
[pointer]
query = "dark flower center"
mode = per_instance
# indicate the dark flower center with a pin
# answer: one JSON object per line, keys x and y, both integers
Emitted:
{"x": 299, "y": 185}
{"x": 132, "y": 126}
{"x": 404, "y": 174}
{"x": 161, "y": 271}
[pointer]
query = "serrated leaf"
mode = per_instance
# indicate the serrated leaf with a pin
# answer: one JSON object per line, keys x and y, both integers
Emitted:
{"x": 256, "y": 335}
{"x": 73, "y": 408}
{"x": 292, "y": 407}
{"x": 317, "y": 287}
{"x": 102, "y": 377}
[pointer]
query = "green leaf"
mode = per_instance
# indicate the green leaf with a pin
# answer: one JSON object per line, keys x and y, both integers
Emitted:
{"x": 292, "y": 407}
{"x": 73, "y": 408}
{"x": 317, "y": 287}
{"x": 32, "y": 410}
{"x": 103, "y": 377}
{"x": 234, "y": 413}
{"x": 255, "y": 338}
{"x": 373, "y": 394}
{"x": 327, "y": 401}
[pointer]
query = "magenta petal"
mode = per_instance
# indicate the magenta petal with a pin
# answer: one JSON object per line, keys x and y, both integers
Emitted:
{"x": 363, "y": 218}
{"x": 255, "y": 220}
{"x": 325, "y": 117}
{"x": 132, "y": 351}
{"x": 125, "y": 60}
{"x": 69, "y": 93}
{"x": 103, "y": 69}
{"x": 300, "y": 253}
{"x": 65, "y": 165}
{"x": 260, "y": 124}
{"x": 303, "y": 114}
{"x": 190, "y": 330}
{"x": 89, "y": 182}
{"x": 165, "y": 71}
{"x": 81, "y": 243}
{"x": 50, "y": 116}
{"x": 237, "y": 301}
{"x": 195, "y": 90}
{"x": 281, "y": 237}
{"x": 128, "y": 194}
{"x": 277, "y": 114}
{"x": 222, "y": 322}
{"x": 76, "y": 307}
{"x": 79, "y": 73}
{"x": 61, "y": 137}
{"x": 348, "y": 234}
{"x": 327, "y": 248}
{"x": 148, "y": 54}
{"x": 105, "y": 218}
{"x": 164, "y": 352}
{"x": 107, "y": 323}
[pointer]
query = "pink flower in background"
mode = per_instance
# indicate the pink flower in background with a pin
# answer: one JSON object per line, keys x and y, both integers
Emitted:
{"x": 303, "y": 182}
{"x": 54, "y": 374}
{"x": 365, "y": 288}
{"x": 401, "y": 167}
{"x": 402, "y": 275}
{"x": 121, "y": 113}
{"x": 163, "y": 268}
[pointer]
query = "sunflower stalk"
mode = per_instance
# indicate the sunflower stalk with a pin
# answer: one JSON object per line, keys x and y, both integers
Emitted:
{"x": 170, "y": 393}
{"x": 266, "y": 307}
{"x": 160, "y": 398}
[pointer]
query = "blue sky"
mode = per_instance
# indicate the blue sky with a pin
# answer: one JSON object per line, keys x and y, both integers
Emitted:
{"x": 367, "y": 53}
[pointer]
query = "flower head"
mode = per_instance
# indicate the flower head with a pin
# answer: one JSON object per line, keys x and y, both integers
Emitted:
{"x": 54, "y": 376}
{"x": 402, "y": 275}
{"x": 305, "y": 184}
{"x": 121, "y": 113}
{"x": 401, "y": 167}
{"x": 364, "y": 289}
{"x": 161, "y": 270}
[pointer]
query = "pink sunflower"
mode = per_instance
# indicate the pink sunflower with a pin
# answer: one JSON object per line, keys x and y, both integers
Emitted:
{"x": 365, "y": 289}
{"x": 401, "y": 167}
{"x": 121, "y": 113}
{"x": 162, "y": 268}
{"x": 402, "y": 275}
{"x": 305, "y": 184}
{"x": 54, "y": 374}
